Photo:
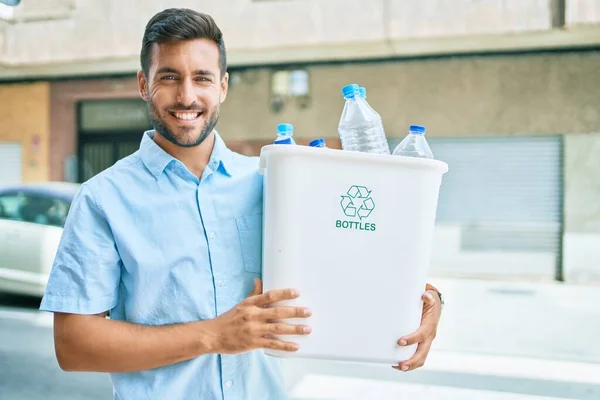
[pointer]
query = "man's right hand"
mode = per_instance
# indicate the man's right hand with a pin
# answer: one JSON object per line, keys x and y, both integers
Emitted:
{"x": 251, "y": 323}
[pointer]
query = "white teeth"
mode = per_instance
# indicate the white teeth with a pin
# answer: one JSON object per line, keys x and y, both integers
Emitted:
{"x": 186, "y": 116}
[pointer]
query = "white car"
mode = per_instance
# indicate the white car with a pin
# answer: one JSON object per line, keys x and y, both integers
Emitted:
{"x": 31, "y": 224}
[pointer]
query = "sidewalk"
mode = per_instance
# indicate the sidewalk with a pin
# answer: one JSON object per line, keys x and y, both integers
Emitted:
{"x": 547, "y": 320}
{"x": 446, "y": 376}
{"x": 497, "y": 341}
{"x": 323, "y": 387}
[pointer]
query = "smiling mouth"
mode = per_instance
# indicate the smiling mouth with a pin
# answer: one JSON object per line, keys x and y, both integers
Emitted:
{"x": 186, "y": 116}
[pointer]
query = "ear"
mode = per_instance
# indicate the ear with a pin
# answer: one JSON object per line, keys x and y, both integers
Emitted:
{"x": 142, "y": 85}
{"x": 224, "y": 86}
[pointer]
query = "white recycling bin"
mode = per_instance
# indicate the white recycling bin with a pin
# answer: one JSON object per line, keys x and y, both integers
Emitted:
{"x": 353, "y": 233}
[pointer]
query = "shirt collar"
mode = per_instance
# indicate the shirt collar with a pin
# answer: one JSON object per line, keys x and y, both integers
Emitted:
{"x": 221, "y": 156}
{"x": 156, "y": 159}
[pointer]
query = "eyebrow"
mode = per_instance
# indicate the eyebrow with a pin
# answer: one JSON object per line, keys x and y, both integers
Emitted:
{"x": 168, "y": 70}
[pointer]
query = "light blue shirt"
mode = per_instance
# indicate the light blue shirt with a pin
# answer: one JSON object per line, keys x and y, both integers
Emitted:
{"x": 151, "y": 242}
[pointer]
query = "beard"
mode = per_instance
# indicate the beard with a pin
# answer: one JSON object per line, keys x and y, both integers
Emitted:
{"x": 186, "y": 137}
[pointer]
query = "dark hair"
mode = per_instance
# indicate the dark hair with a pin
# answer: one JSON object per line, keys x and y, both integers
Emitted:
{"x": 175, "y": 24}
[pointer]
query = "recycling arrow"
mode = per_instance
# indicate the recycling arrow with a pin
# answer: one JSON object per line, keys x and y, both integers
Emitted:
{"x": 348, "y": 206}
{"x": 366, "y": 208}
{"x": 360, "y": 192}
{"x": 365, "y": 203}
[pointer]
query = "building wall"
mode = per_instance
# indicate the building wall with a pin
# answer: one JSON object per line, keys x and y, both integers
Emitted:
{"x": 580, "y": 12}
{"x": 25, "y": 119}
{"x": 64, "y": 98}
{"x": 113, "y": 28}
{"x": 551, "y": 93}
{"x": 581, "y": 252}
{"x": 535, "y": 94}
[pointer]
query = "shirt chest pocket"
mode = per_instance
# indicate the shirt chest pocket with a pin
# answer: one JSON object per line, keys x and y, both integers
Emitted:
{"x": 250, "y": 235}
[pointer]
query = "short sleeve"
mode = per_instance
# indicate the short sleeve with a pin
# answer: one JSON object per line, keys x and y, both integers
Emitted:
{"x": 86, "y": 271}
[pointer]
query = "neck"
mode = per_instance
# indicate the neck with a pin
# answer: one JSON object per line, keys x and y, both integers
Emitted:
{"x": 194, "y": 158}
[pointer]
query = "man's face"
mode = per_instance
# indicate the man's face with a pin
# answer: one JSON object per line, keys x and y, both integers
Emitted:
{"x": 184, "y": 90}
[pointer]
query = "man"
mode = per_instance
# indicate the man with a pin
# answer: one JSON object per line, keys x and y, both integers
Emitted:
{"x": 156, "y": 240}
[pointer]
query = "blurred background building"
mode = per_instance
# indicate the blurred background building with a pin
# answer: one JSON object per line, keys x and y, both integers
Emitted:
{"x": 508, "y": 90}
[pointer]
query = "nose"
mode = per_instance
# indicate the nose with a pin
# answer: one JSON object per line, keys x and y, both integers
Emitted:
{"x": 186, "y": 93}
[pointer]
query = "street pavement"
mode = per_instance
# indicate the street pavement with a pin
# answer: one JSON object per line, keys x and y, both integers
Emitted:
{"x": 497, "y": 341}
{"x": 28, "y": 367}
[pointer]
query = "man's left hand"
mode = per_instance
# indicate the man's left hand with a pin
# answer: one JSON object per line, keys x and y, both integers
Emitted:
{"x": 423, "y": 337}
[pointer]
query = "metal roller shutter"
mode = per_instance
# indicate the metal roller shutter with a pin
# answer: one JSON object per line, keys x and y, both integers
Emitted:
{"x": 500, "y": 207}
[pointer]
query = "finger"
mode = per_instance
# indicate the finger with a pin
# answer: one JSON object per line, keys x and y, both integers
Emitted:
{"x": 416, "y": 337}
{"x": 283, "y": 312}
{"x": 286, "y": 329}
{"x": 275, "y": 344}
{"x": 257, "y": 289}
{"x": 418, "y": 359}
{"x": 428, "y": 299}
{"x": 272, "y": 296}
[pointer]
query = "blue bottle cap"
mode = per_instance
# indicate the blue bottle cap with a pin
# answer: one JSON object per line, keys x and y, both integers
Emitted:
{"x": 318, "y": 142}
{"x": 349, "y": 91}
{"x": 420, "y": 129}
{"x": 283, "y": 140}
{"x": 285, "y": 128}
{"x": 363, "y": 92}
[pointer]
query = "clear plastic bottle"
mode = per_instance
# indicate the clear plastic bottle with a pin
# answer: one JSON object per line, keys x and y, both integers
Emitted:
{"x": 318, "y": 142}
{"x": 363, "y": 92}
{"x": 414, "y": 144}
{"x": 285, "y": 130}
{"x": 360, "y": 127}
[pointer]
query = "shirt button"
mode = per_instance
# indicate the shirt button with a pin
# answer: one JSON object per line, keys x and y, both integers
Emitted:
{"x": 220, "y": 282}
{"x": 229, "y": 384}
{"x": 212, "y": 235}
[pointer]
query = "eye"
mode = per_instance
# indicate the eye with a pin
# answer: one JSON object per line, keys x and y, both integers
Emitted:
{"x": 168, "y": 78}
{"x": 203, "y": 79}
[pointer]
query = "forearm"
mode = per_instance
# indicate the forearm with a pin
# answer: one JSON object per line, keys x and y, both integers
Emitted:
{"x": 93, "y": 343}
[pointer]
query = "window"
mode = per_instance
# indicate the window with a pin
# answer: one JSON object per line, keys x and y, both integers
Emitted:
{"x": 33, "y": 208}
{"x": 9, "y": 206}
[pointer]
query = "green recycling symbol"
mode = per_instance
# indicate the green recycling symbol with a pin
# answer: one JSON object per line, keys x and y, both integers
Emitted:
{"x": 357, "y": 202}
